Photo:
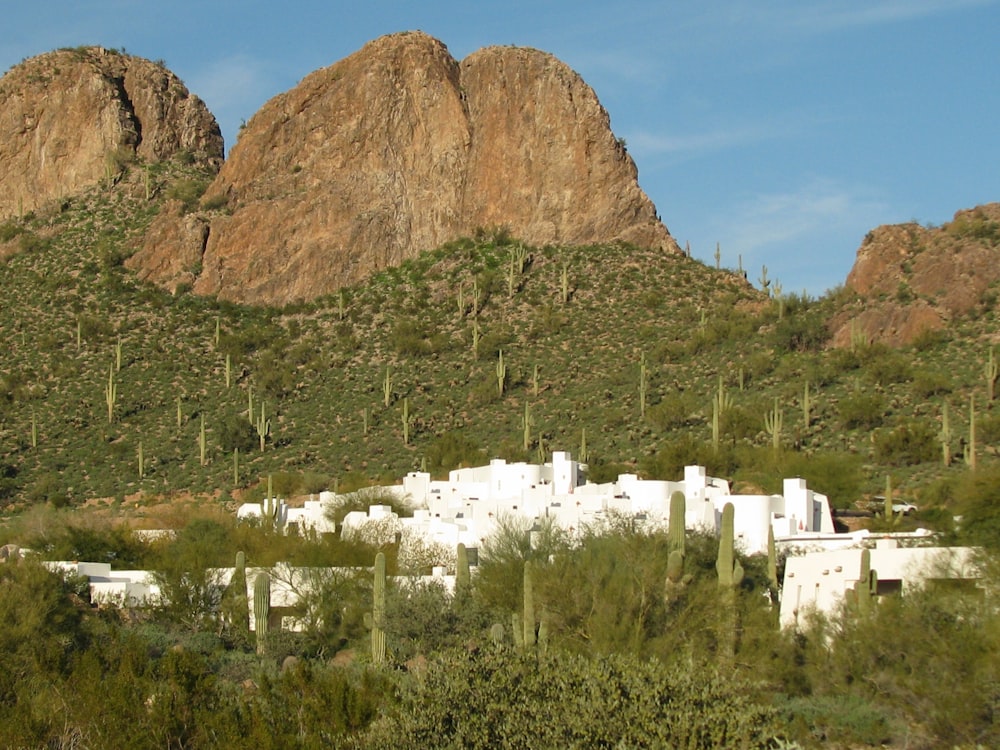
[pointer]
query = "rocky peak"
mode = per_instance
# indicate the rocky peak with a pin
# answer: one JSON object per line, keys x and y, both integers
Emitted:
{"x": 396, "y": 149}
{"x": 913, "y": 279}
{"x": 72, "y": 117}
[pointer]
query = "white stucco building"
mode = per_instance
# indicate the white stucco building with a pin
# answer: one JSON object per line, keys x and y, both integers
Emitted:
{"x": 465, "y": 507}
{"x": 819, "y": 581}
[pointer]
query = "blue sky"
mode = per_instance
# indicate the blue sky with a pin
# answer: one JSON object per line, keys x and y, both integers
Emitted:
{"x": 782, "y": 129}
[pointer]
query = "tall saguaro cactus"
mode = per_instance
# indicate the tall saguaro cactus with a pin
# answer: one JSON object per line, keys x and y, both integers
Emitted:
{"x": 261, "y": 609}
{"x": 463, "y": 575}
{"x": 239, "y": 614}
{"x": 262, "y": 426}
{"x": 378, "y": 611}
{"x": 991, "y": 371}
{"x": 730, "y": 573}
{"x": 643, "y": 384}
{"x": 866, "y": 589}
{"x": 970, "y": 447}
{"x": 772, "y": 425}
{"x": 676, "y": 547}
{"x": 111, "y": 394}
{"x": 501, "y": 372}
{"x": 945, "y": 436}
{"x": 405, "y": 419}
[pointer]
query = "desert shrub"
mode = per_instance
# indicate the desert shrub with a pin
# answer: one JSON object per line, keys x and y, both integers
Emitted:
{"x": 674, "y": 410}
{"x": 236, "y": 432}
{"x": 803, "y": 332}
{"x": 214, "y": 202}
{"x": 669, "y": 461}
{"x": 836, "y": 720}
{"x": 837, "y": 475}
{"x": 188, "y": 191}
{"x": 486, "y": 699}
{"x": 975, "y": 225}
{"x": 738, "y": 423}
{"x": 988, "y": 428}
{"x": 409, "y": 338}
{"x": 452, "y": 450}
{"x": 927, "y": 383}
{"x": 906, "y": 445}
{"x": 49, "y": 487}
{"x": 9, "y": 230}
{"x": 885, "y": 367}
{"x": 977, "y": 499}
{"x": 861, "y": 410}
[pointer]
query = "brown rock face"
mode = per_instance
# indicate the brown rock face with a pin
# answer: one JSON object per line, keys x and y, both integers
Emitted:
{"x": 914, "y": 279}
{"x": 69, "y": 118}
{"x": 398, "y": 149}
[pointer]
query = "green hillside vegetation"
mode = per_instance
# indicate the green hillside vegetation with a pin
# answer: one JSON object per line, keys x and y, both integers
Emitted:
{"x": 629, "y": 359}
{"x": 614, "y": 351}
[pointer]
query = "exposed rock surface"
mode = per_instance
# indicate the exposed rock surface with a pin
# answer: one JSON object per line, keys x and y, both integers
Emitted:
{"x": 397, "y": 149}
{"x": 71, "y": 118}
{"x": 914, "y": 279}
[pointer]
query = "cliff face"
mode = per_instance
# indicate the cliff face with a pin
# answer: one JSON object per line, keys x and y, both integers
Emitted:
{"x": 71, "y": 118}
{"x": 396, "y": 149}
{"x": 912, "y": 279}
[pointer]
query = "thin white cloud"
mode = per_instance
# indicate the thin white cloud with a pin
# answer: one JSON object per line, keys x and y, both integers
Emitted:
{"x": 806, "y": 237}
{"x": 821, "y": 205}
{"x": 690, "y": 144}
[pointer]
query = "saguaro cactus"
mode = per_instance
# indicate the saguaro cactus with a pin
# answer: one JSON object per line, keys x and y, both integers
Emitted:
{"x": 261, "y": 609}
{"x": 806, "y": 407}
{"x": 772, "y": 426}
{"x": 866, "y": 589}
{"x": 387, "y": 387}
{"x": 262, "y": 426}
{"x": 676, "y": 547}
{"x": 501, "y": 372}
{"x": 463, "y": 575}
{"x": 772, "y": 567}
{"x": 970, "y": 447}
{"x": 945, "y": 436}
{"x": 378, "y": 611}
{"x": 202, "y": 444}
{"x": 111, "y": 394}
{"x": 643, "y": 384}
{"x": 730, "y": 577}
{"x": 991, "y": 370}
{"x": 239, "y": 614}
{"x": 405, "y": 419}
{"x": 528, "y": 618}
{"x": 527, "y": 422}
{"x": 726, "y": 565}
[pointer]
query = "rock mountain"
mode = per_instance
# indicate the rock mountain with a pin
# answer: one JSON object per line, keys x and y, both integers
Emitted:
{"x": 913, "y": 279}
{"x": 396, "y": 149}
{"x": 74, "y": 117}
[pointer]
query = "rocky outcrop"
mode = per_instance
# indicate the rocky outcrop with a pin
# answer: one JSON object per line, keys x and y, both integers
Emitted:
{"x": 913, "y": 279}
{"x": 74, "y": 117}
{"x": 397, "y": 149}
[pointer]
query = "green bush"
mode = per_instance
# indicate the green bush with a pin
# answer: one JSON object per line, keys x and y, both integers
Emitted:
{"x": 188, "y": 191}
{"x": 906, "y": 445}
{"x": 486, "y": 699}
{"x": 861, "y": 410}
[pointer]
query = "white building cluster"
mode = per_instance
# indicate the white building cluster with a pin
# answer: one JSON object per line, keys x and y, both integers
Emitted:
{"x": 821, "y": 566}
{"x": 466, "y": 507}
